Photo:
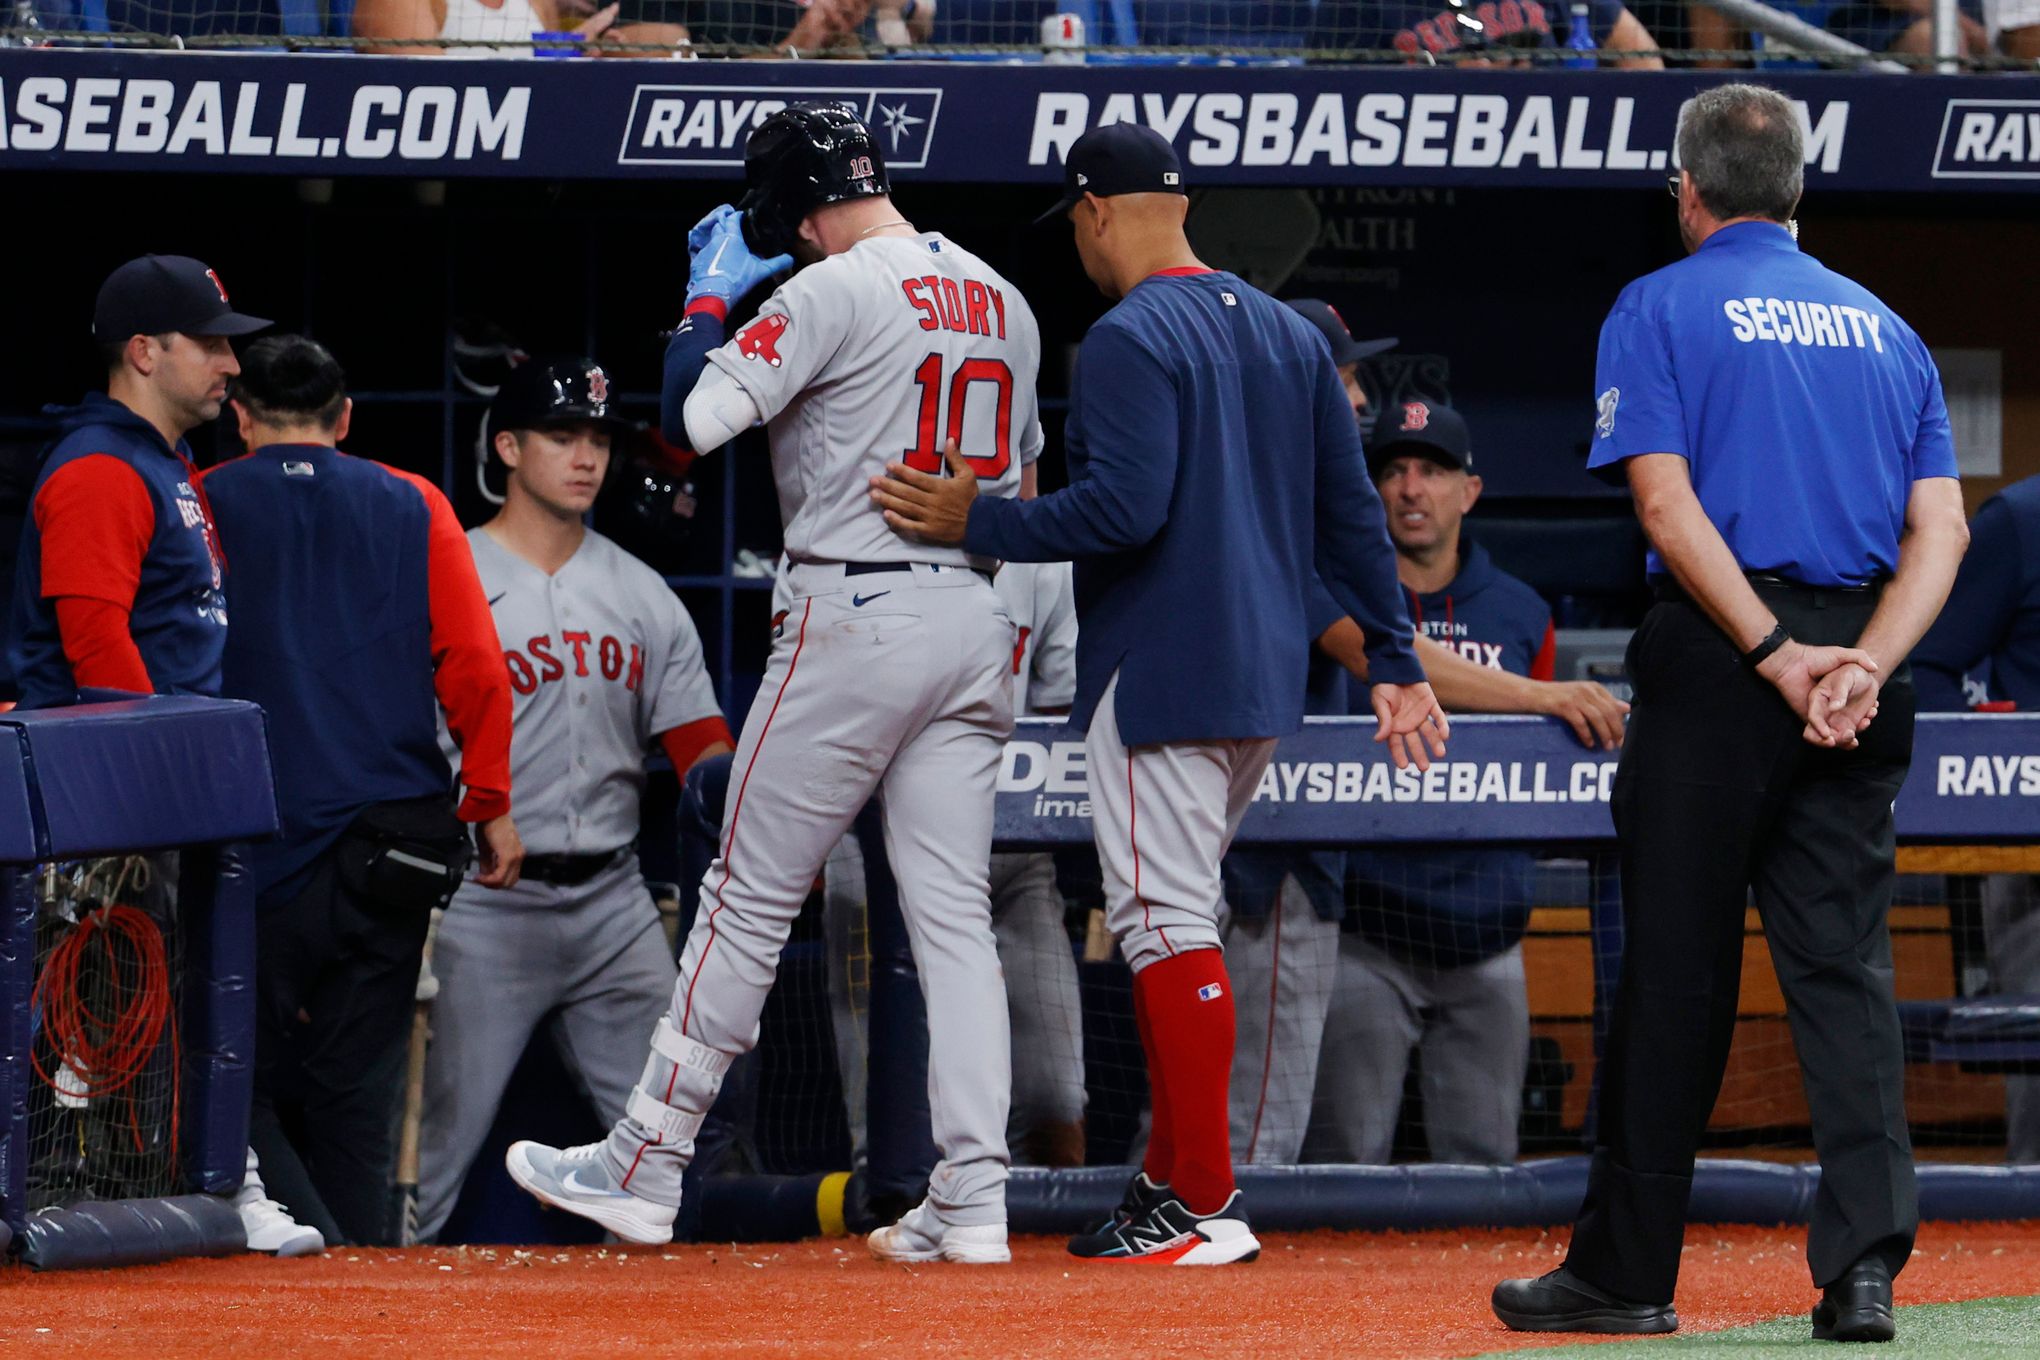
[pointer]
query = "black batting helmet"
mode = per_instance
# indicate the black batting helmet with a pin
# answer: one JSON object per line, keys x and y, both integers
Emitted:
{"x": 799, "y": 158}
{"x": 544, "y": 393}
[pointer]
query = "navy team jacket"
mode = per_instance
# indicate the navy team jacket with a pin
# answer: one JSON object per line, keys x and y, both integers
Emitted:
{"x": 1213, "y": 464}
{"x": 1991, "y": 622}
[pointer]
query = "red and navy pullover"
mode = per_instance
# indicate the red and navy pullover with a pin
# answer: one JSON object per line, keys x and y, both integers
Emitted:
{"x": 118, "y": 583}
{"x": 357, "y": 614}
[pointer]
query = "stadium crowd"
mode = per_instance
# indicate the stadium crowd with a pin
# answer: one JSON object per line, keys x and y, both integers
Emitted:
{"x": 1478, "y": 31}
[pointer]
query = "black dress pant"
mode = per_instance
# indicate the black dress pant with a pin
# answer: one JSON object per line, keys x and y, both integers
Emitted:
{"x": 1718, "y": 794}
{"x": 335, "y": 982}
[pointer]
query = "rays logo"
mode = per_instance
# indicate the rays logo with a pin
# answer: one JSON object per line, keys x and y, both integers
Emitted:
{"x": 1604, "y": 405}
{"x": 709, "y": 124}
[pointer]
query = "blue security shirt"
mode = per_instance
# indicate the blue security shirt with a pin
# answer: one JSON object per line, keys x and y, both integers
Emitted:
{"x": 1214, "y": 464}
{"x": 1804, "y": 407}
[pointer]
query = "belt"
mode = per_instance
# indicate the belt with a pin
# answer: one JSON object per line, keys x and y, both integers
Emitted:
{"x": 568, "y": 871}
{"x": 1667, "y": 589}
{"x": 877, "y": 568}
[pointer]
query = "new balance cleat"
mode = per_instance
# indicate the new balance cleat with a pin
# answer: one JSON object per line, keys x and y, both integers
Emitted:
{"x": 578, "y": 1180}
{"x": 1164, "y": 1232}
{"x": 921, "y": 1236}
{"x": 1142, "y": 1194}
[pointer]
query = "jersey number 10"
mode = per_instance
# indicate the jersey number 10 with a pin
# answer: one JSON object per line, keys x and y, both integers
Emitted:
{"x": 926, "y": 455}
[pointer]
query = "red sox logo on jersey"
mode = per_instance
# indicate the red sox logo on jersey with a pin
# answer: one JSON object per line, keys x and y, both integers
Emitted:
{"x": 1415, "y": 416}
{"x": 598, "y": 385}
{"x": 760, "y": 339}
{"x": 526, "y": 677}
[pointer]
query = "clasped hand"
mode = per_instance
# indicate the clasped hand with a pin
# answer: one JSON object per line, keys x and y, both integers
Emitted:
{"x": 1832, "y": 689}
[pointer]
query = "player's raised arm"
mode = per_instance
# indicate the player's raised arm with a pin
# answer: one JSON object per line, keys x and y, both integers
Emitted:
{"x": 722, "y": 271}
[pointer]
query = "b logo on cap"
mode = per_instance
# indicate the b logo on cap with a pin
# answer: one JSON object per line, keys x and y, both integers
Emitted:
{"x": 1415, "y": 416}
{"x": 217, "y": 284}
{"x": 598, "y": 385}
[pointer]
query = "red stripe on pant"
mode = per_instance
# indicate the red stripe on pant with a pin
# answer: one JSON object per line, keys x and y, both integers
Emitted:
{"x": 729, "y": 852}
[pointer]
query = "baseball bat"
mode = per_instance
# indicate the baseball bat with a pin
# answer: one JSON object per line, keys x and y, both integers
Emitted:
{"x": 407, "y": 1137}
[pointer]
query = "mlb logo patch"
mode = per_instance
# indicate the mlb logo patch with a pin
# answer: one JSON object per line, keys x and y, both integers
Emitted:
{"x": 295, "y": 469}
{"x": 1228, "y": 298}
{"x": 1210, "y": 991}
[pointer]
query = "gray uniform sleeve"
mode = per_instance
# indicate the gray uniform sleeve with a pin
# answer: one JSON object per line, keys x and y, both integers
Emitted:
{"x": 796, "y": 335}
{"x": 677, "y": 689}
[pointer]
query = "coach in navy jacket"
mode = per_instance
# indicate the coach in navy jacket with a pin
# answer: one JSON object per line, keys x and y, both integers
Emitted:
{"x": 1992, "y": 619}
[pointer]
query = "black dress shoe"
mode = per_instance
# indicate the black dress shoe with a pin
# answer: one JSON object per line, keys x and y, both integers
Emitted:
{"x": 1562, "y": 1302}
{"x": 1856, "y": 1307}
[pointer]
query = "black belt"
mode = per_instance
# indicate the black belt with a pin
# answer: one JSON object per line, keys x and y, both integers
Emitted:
{"x": 1669, "y": 590}
{"x": 568, "y": 871}
{"x": 875, "y": 568}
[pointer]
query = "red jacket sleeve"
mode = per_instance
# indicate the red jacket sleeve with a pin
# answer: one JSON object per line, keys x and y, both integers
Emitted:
{"x": 685, "y": 743}
{"x": 95, "y": 520}
{"x": 469, "y": 675}
{"x": 98, "y": 645}
{"x": 1547, "y": 656}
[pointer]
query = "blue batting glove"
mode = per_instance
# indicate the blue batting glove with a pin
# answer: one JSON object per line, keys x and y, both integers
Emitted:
{"x": 724, "y": 267}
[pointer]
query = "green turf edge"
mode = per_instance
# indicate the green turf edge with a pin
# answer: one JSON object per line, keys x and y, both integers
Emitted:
{"x": 1931, "y": 1331}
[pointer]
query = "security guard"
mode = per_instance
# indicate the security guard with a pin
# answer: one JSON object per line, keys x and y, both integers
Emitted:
{"x": 1784, "y": 435}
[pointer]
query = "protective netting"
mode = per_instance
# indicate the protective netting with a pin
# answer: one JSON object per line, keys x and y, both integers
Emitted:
{"x": 104, "y": 1110}
{"x": 1601, "y": 32}
{"x": 1441, "y": 1004}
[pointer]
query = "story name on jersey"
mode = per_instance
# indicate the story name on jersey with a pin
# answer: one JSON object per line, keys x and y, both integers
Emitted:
{"x": 1790, "y": 321}
{"x": 1055, "y": 773}
{"x": 1989, "y": 139}
{"x": 972, "y": 309}
{"x": 539, "y": 662}
{"x": 257, "y": 120}
{"x": 1460, "y": 131}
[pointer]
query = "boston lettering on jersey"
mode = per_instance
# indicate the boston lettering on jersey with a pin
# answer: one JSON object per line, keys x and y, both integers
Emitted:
{"x": 1789, "y": 321}
{"x": 971, "y": 309}
{"x": 544, "y": 664}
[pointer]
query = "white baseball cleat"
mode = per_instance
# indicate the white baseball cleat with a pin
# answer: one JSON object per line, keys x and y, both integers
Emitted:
{"x": 921, "y": 1236}
{"x": 578, "y": 1180}
{"x": 271, "y": 1229}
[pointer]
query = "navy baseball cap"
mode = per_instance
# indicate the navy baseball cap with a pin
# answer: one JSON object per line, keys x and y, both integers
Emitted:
{"x": 1423, "y": 429}
{"x": 1345, "y": 349}
{"x": 1119, "y": 158}
{"x": 159, "y": 294}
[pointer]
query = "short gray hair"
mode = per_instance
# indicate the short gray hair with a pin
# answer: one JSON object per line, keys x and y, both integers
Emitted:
{"x": 1743, "y": 146}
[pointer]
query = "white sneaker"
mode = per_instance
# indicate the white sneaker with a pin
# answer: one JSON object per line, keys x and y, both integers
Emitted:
{"x": 921, "y": 1236}
{"x": 578, "y": 1180}
{"x": 271, "y": 1229}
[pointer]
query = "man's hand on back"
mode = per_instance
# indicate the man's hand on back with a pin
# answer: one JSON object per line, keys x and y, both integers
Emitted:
{"x": 923, "y": 506}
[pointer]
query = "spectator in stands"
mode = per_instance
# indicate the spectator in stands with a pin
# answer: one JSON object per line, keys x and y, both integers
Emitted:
{"x": 390, "y": 23}
{"x": 790, "y": 27}
{"x": 2015, "y": 25}
{"x": 1986, "y": 646}
{"x": 1327, "y": 1019}
{"x": 1465, "y": 33}
{"x": 118, "y": 584}
{"x": 358, "y": 614}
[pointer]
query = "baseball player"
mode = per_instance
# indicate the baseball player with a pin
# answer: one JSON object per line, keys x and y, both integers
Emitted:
{"x": 603, "y": 660}
{"x": 1213, "y": 463}
{"x": 1027, "y": 908}
{"x": 892, "y": 672}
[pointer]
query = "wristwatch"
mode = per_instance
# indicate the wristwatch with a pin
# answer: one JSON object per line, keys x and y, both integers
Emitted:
{"x": 1759, "y": 654}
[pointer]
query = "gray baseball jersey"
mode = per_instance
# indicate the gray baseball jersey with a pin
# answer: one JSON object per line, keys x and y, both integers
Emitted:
{"x": 1041, "y": 598}
{"x": 882, "y": 354}
{"x": 602, "y": 659}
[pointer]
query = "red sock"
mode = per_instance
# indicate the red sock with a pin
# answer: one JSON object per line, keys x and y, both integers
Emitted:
{"x": 1161, "y": 1149}
{"x": 1189, "y": 1009}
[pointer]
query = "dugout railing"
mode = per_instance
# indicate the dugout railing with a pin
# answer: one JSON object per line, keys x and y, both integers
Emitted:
{"x": 1971, "y": 806}
{"x": 125, "y": 1076}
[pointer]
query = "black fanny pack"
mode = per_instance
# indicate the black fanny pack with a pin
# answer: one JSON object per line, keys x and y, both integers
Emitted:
{"x": 405, "y": 857}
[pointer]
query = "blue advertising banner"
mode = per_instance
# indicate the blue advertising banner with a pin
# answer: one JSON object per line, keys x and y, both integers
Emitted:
{"x": 340, "y": 114}
{"x": 1974, "y": 778}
